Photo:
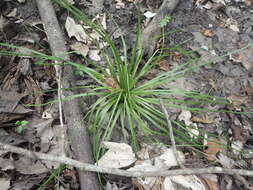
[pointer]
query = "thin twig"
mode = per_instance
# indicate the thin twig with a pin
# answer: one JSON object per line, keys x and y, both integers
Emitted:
{"x": 173, "y": 143}
{"x": 59, "y": 75}
{"x": 120, "y": 172}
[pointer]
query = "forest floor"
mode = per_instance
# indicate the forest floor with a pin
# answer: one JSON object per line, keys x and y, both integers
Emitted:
{"x": 209, "y": 29}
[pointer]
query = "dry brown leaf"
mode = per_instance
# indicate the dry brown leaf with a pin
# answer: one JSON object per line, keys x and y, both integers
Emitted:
{"x": 164, "y": 65}
{"x": 213, "y": 147}
{"x": 248, "y": 90}
{"x": 245, "y": 57}
{"x": 213, "y": 84}
{"x": 35, "y": 92}
{"x": 204, "y": 119}
{"x": 248, "y": 2}
{"x": 109, "y": 81}
{"x": 176, "y": 56}
{"x": 208, "y": 32}
{"x": 237, "y": 100}
{"x": 80, "y": 48}
{"x": 209, "y": 184}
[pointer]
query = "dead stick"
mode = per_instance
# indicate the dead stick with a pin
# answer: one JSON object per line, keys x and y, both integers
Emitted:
{"x": 120, "y": 172}
{"x": 173, "y": 143}
{"x": 77, "y": 132}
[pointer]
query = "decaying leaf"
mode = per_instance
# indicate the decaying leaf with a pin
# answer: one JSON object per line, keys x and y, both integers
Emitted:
{"x": 119, "y": 155}
{"x": 164, "y": 65}
{"x": 27, "y": 182}
{"x": 80, "y": 48}
{"x": 186, "y": 117}
{"x": 44, "y": 132}
{"x": 232, "y": 24}
{"x": 237, "y": 100}
{"x": 213, "y": 84}
{"x": 149, "y": 14}
{"x": 6, "y": 164}
{"x": 94, "y": 55}
{"x": 248, "y": 2}
{"x": 168, "y": 158}
{"x": 120, "y": 4}
{"x": 10, "y": 109}
{"x": 245, "y": 57}
{"x": 204, "y": 119}
{"x": 210, "y": 181}
{"x": 5, "y": 183}
{"x": 75, "y": 30}
{"x": 213, "y": 147}
{"x": 208, "y": 32}
{"x": 149, "y": 183}
{"x": 225, "y": 161}
{"x": 111, "y": 82}
{"x": 27, "y": 166}
{"x": 188, "y": 181}
{"x": 35, "y": 92}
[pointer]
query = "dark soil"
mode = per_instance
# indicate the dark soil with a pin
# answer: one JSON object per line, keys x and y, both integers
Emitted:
{"x": 229, "y": 27}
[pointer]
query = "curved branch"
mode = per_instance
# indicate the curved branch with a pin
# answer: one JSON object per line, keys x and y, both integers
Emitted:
{"x": 93, "y": 168}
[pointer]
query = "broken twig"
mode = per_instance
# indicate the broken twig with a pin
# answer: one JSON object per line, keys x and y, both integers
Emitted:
{"x": 173, "y": 143}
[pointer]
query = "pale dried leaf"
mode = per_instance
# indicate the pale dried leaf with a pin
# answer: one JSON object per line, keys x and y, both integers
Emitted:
{"x": 225, "y": 161}
{"x": 164, "y": 65}
{"x": 5, "y": 183}
{"x": 44, "y": 131}
{"x": 13, "y": 13}
{"x": 95, "y": 35}
{"x": 237, "y": 100}
{"x": 208, "y": 32}
{"x": 149, "y": 14}
{"x": 75, "y": 30}
{"x": 80, "y": 48}
{"x": 119, "y": 155}
{"x": 189, "y": 181}
{"x": 210, "y": 181}
{"x": 248, "y": 2}
{"x": 94, "y": 55}
{"x": 169, "y": 158}
{"x": 103, "y": 21}
{"x": 237, "y": 146}
{"x": 27, "y": 166}
{"x": 71, "y": 2}
{"x": 245, "y": 57}
{"x": 186, "y": 117}
{"x": 168, "y": 185}
{"x": 110, "y": 186}
{"x": 220, "y": 2}
{"x": 6, "y": 164}
{"x": 119, "y": 4}
{"x": 57, "y": 145}
{"x": 204, "y": 119}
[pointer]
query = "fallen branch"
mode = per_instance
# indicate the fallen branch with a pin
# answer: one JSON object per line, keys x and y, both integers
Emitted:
{"x": 77, "y": 133}
{"x": 120, "y": 172}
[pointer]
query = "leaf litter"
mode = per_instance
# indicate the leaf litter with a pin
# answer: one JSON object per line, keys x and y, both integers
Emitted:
{"x": 212, "y": 37}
